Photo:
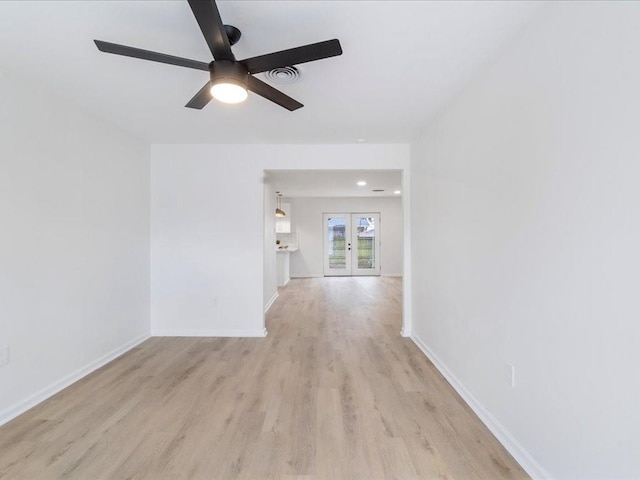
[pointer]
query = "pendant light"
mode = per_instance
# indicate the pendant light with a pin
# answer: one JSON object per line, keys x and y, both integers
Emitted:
{"x": 279, "y": 212}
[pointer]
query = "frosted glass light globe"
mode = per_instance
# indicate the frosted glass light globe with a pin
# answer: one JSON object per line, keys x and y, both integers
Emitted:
{"x": 229, "y": 93}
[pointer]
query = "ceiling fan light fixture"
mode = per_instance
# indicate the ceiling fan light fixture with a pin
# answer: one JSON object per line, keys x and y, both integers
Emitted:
{"x": 228, "y": 92}
{"x": 230, "y": 79}
{"x": 228, "y": 82}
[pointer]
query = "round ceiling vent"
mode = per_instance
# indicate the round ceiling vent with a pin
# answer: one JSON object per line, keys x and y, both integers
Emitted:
{"x": 283, "y": 74}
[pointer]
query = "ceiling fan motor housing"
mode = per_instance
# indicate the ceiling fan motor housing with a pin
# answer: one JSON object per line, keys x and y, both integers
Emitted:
{"x": 228, "y": 72}
{"x": 233, "y": 34}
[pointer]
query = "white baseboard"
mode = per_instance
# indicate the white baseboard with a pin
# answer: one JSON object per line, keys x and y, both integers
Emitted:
{"x": 31, "y": 401}
{"x": 517, "y": 451}
{"x": 270, "y": 302}
{"x": 210, "y": 333}
{"x": 320, "y": 275}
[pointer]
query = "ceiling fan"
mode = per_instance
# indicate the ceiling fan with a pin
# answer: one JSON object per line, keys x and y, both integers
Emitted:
{"x": 230, "y": 78}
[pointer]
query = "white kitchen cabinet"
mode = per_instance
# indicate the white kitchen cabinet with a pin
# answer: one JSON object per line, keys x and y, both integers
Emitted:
{"x": 282, "y": 266}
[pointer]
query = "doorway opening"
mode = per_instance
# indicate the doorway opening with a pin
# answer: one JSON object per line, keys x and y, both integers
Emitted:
{"x": 299, "y": 250}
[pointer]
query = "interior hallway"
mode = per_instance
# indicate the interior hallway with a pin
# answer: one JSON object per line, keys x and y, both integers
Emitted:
{"x": 333, "y": 392}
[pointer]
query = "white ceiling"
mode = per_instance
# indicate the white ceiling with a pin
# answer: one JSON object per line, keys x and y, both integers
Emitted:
{"x": 335, "y": 183}
{"x": 402, "y": 61}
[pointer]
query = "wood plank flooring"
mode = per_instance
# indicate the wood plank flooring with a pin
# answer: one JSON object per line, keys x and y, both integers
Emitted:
{"x": 333, "y": 392}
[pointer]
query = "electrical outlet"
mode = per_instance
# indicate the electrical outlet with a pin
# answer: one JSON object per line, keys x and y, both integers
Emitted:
{"x": 4, "y": 355}
{"x": 510, "y": 374}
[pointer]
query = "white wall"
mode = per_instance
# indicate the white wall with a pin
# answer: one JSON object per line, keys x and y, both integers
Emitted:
{"x": 526, "y": 234}
{"x": 270, "y": 284}
{"x": 74, "y": 243}
{"x": 208, "y": 254}
{"x": 306, "y": 218}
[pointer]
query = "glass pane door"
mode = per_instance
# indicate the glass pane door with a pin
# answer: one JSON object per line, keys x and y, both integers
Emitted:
{"x": 366, "y": 242}
{"x": 337, "y": 244}
{"x": 351, "y": 244}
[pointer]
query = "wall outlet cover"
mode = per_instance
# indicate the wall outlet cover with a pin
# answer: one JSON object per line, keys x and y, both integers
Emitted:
{"x": 510, "y": 374}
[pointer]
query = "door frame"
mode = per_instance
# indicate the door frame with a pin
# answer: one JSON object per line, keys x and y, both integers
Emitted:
{"x": 351, "y": 245}
{"x": 399, "y": 161}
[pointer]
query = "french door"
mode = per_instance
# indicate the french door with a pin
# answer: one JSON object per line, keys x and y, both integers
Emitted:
{"x": 351, "y": 244}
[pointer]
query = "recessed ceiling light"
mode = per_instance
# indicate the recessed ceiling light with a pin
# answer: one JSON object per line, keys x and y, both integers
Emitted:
{"x": 397, "y": 192}
{"x": 361, "y": 183}
{"x": 361, "y": 140}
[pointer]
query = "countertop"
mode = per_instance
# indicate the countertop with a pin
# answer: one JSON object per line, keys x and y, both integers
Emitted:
{"x": 284, "y": 250}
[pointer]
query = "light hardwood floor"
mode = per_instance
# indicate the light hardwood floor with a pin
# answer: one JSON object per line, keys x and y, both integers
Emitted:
{"x": 333, "y": 392}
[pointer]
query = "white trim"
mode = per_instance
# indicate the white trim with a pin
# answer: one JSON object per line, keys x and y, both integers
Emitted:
{"x": 320, "y": 275}
{"x": 517, "y": 451}
{"x": 271, "y": 301}
{"x": 41, "y": 395}
{"x": 210, "y": 333}
{"x": 407, "y": 316}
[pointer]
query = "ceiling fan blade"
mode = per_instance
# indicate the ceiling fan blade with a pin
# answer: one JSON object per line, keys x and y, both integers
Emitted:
{"x": 201, "y": 98}
{"x": 293, "y": 56}
{"x": 208, "y": 18}
{"x": 267, "y": 91}
{"x": 148, "y": 55}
